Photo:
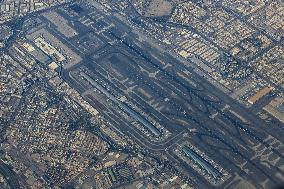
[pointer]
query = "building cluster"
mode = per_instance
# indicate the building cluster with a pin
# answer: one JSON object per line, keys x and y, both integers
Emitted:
{"x": 270, "y": 65}
{"x": 11, "y": 85}
{"x": 16, "y": 8}
{"x": 43, "y": 119}
{"x": 120, "y": 170}
{"x": 42, "y": 130}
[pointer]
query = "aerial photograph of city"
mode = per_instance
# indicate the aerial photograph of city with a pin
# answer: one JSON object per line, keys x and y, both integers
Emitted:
{"x": 141, "y": 94}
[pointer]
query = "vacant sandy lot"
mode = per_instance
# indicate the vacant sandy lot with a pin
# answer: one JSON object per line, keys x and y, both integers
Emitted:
{"x": 153, "y": 8}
